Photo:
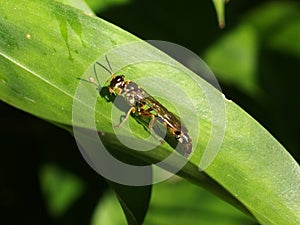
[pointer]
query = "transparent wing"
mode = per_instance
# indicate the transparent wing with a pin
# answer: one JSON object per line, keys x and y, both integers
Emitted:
{"x": 164, "y": 115}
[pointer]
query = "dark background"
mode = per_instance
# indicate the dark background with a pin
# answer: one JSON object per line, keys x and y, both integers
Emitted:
{"x": 28, "y": 142}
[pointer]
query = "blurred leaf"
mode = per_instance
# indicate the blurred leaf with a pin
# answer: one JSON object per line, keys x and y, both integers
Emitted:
{"x": 60, "y": 189}
{"x": 175, "y": 202}
{"x": 234, "y": 58}
{"x": 108, "y": 211}
{"x": 134, "y": 201}
{"x": 271, "y": 16}
{"x": 102, "y": 5}
{"x": 278, "y": 22}
{"x": 287, "y": 39}
{"x": 220, "y": 9}
{"x": 45, "y": 46}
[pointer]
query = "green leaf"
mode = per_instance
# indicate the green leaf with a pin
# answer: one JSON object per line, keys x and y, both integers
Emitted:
{"x": 134, "y": 201}
{"x": 108, "y": 211}
{"x": 45, "y": 46}
{"x": 98, "y": 6}
{"x": 60, "y": 189}
{"x": 77, "y": 4}
{"x": 235, "y": 56}
{"x": 175, "y": 202}
{"x": 220, "y": 9}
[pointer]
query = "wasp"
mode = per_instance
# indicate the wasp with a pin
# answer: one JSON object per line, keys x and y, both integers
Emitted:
{"x": 143, "y": 104}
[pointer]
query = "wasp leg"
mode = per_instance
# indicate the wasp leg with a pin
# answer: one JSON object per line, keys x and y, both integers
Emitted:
{"x": 131, "y": 110}
{"x": 152, "y": 122}
{"x": 147, "y": 113}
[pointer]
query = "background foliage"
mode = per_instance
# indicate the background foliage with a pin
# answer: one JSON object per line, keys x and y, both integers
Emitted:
{"x": 256, "y": 60}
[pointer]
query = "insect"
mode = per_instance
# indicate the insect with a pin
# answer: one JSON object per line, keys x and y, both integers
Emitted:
{"x": 143, "y": 104}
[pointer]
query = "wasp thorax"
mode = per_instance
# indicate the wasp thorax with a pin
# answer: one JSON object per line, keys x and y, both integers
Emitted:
{"x": 132, "y": 86}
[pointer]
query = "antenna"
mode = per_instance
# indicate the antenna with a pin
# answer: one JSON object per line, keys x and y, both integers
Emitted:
{"x": 92, "y": 81}
{"x": 108, "y": 70}
{"x": 96, "y": 75}
{"x": 108, "y": 63}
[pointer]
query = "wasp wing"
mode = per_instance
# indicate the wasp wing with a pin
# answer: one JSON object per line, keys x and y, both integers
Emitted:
{"x": 164, "y": 115}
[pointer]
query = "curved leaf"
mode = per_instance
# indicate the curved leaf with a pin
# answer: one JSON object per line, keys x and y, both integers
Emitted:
{"x": 132, "y": 200}
{"x": 45, "y": 46}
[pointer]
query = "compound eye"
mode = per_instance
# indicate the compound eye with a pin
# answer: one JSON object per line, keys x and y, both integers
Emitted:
{"x": 177, "y": 132}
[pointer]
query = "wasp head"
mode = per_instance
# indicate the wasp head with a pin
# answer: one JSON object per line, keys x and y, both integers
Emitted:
{"x": 116, "y": 85}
